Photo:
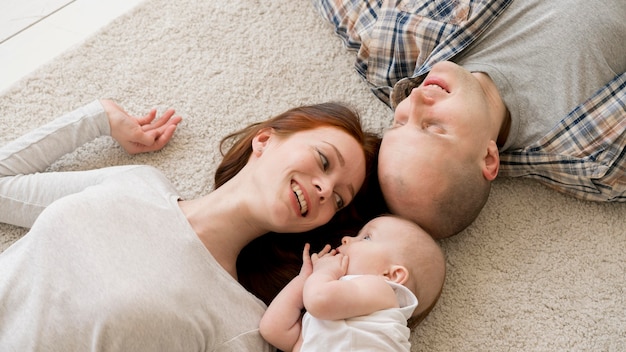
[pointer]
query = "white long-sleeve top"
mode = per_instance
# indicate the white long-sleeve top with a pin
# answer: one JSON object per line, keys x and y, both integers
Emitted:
{"x": 110, "y": 262}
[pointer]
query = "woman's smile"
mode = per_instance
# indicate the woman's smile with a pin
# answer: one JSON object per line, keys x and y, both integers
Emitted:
{"x": 301, "y": 199}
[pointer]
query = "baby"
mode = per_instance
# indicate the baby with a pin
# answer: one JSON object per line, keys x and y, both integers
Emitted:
{"x": 361, "y": 295}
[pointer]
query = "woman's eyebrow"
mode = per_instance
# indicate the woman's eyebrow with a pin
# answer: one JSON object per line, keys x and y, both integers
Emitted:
{"x": 342, "y": 162}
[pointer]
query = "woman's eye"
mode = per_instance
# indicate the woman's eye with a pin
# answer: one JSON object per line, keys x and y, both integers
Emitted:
{"x": 367, "y": 237}
{"x": 338, "y": 201}
{"x": 324, "y": 161}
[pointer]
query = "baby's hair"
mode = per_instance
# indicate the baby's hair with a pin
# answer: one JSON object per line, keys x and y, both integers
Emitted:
{"x": 433, "y": 258}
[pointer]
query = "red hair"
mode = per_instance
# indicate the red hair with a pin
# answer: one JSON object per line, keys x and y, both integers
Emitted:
{"x": 298, "y": 119}
{"x": 268, "y": 263}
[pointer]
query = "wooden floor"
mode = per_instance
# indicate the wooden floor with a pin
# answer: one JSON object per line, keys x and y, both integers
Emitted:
{"x": 32, "y": 32}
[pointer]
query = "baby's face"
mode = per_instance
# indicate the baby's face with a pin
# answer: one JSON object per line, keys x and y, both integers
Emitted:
{"x": 378, "y": 245}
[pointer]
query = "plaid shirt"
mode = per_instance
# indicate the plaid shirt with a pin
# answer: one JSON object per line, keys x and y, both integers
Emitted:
{"x": 397, "y": 43}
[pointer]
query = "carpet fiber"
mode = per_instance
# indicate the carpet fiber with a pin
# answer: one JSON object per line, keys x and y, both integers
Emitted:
{"x": 537, "y": 271}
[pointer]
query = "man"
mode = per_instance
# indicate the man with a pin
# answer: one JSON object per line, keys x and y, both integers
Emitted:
{"x": 499, "y": 87}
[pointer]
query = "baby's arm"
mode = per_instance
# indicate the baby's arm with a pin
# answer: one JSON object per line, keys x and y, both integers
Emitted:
{"x": 326, "y": 297}
{"x": 281, "y": 324}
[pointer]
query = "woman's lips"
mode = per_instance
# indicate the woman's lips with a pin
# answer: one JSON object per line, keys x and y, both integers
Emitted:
{"x": 300, "y": 198}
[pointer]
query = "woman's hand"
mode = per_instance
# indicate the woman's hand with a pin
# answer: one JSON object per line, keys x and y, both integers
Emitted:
{"x": 140, "y": 134}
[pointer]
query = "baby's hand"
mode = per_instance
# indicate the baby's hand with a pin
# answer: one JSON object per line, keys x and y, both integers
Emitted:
{"x": 326, "y": 251}
{"x": 307, "y": 265}
{"x": 333, "y": 263}
{"x": 140, "y": 134}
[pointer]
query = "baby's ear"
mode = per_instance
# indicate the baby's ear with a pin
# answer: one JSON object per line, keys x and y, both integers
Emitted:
{"x": 398, "y": 274}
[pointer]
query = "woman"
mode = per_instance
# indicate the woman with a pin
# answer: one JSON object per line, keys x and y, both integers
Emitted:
{"x": 115, "y": 260}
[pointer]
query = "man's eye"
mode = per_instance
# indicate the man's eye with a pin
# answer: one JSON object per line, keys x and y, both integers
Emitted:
{"x": 396, "y": 123}
{"x": 338, "y": 201}
{"x": 434, "y": 128}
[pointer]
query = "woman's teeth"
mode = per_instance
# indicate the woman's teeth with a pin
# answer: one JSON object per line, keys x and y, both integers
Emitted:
{"x": 300, "y": 196}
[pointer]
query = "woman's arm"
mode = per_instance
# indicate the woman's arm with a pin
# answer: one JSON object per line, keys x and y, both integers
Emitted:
{"x": 25, "y": 189}
{"x": 140, "y": 134}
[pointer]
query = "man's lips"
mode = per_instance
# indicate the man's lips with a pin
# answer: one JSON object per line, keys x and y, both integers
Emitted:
{"x": 435, "y": 83}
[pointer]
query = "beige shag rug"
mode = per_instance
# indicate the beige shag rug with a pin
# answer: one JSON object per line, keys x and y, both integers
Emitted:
{"x": 537, "y": 271}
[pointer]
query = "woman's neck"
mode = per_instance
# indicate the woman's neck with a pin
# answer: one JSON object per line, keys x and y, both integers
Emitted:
{"x": 224, "y": 224}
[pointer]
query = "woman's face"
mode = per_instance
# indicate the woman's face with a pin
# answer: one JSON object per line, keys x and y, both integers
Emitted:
{"x": 305, "y": 178}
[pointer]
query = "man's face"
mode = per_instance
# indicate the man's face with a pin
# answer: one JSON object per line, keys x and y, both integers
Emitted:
{"x": 445, "y": 121}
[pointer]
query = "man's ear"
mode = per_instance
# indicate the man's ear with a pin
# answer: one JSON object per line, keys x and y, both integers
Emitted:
{"x": 491, "y": 164}
{"x": 398, "y": 274}
{"x": 260, "y": 140}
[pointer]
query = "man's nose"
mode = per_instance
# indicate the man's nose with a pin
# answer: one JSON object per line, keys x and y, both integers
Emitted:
{"x": 419, "y": 105}
{"x": 419, "y": 97}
